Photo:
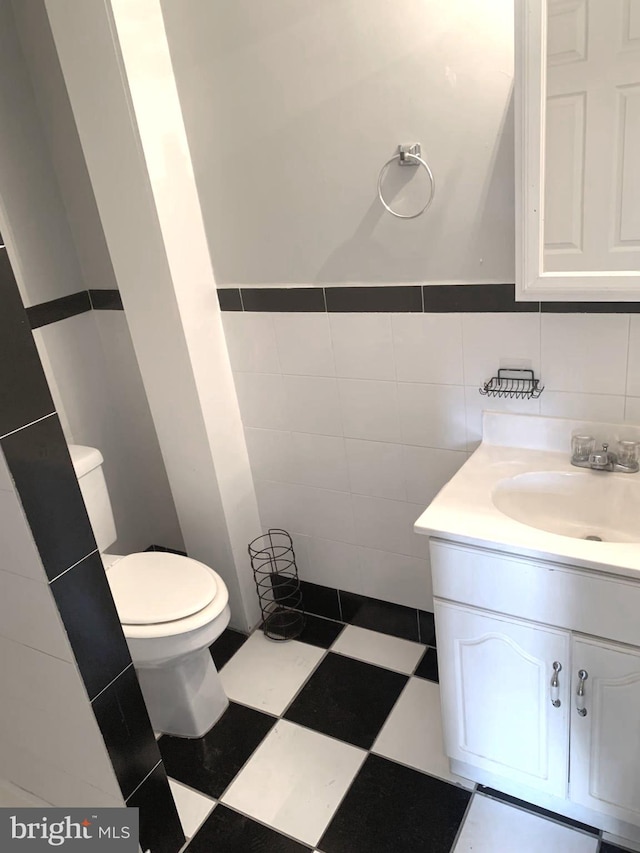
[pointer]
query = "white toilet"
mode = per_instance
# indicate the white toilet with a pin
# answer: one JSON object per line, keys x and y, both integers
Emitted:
{"x": 171, "y": 609}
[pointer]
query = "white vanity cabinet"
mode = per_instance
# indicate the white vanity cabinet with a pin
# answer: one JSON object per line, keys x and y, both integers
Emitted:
{"x": 605, "y": 742}
{"x": 497, "y": 699}
{"x": 508, "y": 722}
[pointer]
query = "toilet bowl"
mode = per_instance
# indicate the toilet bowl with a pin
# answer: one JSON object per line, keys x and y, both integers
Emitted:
{"x": 171, "y": 609}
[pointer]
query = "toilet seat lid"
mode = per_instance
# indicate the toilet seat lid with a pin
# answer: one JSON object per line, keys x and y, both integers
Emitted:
{"x": 153, "y": 587}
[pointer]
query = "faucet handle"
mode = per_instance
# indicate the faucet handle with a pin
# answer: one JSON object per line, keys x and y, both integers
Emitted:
{"x": 627, "y": 454}
{"x": 582, "y": 446}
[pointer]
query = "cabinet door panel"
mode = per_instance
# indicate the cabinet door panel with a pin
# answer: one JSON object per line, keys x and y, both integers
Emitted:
{"x": 605, "y": 744}
{"x": 495, "y": 676}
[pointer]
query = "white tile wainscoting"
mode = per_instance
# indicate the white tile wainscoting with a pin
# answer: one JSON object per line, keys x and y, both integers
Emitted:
{"x": 354, "y": 421}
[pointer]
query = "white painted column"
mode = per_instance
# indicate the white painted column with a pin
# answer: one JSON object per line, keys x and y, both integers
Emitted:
{"x": 117, "y": 68}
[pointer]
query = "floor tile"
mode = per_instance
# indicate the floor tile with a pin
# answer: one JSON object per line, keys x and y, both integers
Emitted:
{"x": 295, "y": 781}
{"x": 428, "y": 666}
{"x": 226, "y": 646}
{"x": 192, "y": 807}
{"x": 380, "y": 649}
{"x": 266, "y": 674}
{"x": 491, "y": 825}
{"x": 347, "y": 699}
{"x": 394, "y": 619}
{"x": 412, "y": 733}
{"x": 228, "y": 831}
{"x": 320, "y": 632}
{"x": 209, "y": 763}
{"x": 393, "y": 809}
{"x": 160, "y": 827}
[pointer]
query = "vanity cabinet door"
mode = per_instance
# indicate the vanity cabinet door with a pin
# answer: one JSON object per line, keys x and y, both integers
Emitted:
{"x": 497, "y": 701}
{"x": 605, "y": 741}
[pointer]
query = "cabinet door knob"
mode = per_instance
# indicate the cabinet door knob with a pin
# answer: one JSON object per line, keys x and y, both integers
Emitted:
{"x": 580, "y": 698}
{"x": 555, "y": 684}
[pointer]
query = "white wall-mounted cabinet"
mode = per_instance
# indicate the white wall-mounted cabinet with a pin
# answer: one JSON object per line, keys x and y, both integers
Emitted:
{"x": 577, "y": 99}
{"x": 574, "y": 745}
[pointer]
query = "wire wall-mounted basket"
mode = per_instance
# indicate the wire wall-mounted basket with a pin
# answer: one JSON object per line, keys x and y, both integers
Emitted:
{"x": 276, "y": 575}
{"x": 515, "y": 383}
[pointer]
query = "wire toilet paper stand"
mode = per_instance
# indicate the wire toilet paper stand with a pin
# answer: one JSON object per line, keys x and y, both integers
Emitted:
{"x": 275, "y": 572}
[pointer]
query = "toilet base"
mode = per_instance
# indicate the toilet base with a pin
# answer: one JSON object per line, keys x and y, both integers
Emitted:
{"x": 185, "y": 697}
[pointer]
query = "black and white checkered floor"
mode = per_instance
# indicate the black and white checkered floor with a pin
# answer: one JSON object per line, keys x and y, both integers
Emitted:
{"x": 333, "y": 743}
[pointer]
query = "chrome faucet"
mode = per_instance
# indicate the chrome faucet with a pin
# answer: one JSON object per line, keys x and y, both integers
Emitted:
{"x": 605, "y": 460}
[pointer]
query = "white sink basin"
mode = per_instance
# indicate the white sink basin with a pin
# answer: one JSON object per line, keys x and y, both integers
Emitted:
{"x": 581, "y": 505}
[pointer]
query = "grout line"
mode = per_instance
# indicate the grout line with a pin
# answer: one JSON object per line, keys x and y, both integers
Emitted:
{"x": 320, "y": 616}
{"x": 426, "y": 773}
{"x": 143, "y": 781}
{"x": 192, "y": 789}
{"x": 464, "y": 820}
{"x": 271, "y": 714}
{"x": 26, "y": 426}
{"x": 304, "y": 684}
{"x": 268, "y": 825}
{"x": 189, "y": 838}
{"x": 375, "y": 440}
{"x": 107, "y": 686}
{"x": 358, "y": 495}
{"x": 86, "y": 556}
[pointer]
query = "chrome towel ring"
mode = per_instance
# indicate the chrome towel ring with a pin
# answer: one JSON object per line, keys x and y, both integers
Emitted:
{"x": 408, "y": 155}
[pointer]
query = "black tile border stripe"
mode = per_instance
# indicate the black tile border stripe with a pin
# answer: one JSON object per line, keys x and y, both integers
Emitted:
{"x": 403, "y": 298}
{"x": 397, "y": 298}
{"x": 441, "y": 298}
{"x": 590, "y": 307}
{"x": 230, "y": 299}
{"x": 55, "y": 310}
{"x": 393, "y": 298}
{"x": 58, "y": 309}
{"x": 283, "y": 299}
{"x": 397, "y": 620}
{"x": 106, "y": 300}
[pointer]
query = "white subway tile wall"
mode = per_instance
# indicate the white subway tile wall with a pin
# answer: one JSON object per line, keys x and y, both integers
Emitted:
{"x": 585, "y": 352}
{"x": 43, "y": 693}
{"x": 354, "y": 421}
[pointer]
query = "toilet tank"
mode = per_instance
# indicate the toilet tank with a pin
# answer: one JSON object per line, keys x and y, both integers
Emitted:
{"x": 87, "y": 462}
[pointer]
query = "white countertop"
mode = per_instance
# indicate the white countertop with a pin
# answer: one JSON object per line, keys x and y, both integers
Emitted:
{"x": 463, "y": 511}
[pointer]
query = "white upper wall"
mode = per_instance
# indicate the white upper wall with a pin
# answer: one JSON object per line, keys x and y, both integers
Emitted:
{"x": 59, "y": 128}
{"x": 293, "y": 106}
{"x": 32, "y": 213}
